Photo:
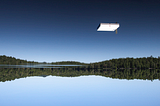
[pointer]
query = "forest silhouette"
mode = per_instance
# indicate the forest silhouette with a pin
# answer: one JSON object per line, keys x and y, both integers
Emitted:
{"x": 121, "y": 63}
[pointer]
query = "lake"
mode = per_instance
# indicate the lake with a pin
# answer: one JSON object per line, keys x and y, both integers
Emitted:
{"x": 36, "y": 66}
{"x": 29, "y": 87}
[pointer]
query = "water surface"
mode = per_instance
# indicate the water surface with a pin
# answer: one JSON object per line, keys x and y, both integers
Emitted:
{"x": 36, "y": 66}
{"x": 88, "y": 90}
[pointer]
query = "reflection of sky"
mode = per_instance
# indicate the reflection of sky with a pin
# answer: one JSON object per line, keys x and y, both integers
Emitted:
{"x": 66, "y": 31}
{"x": 79, "y": 91}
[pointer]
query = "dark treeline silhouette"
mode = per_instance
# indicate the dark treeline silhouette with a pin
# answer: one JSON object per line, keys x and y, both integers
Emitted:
{"x": 129, "y": 63}
{"x": 69, "y": 63}
{"x": 121, "y": 63}
{"x": 13, "y": 61}
{"x": 8, "y": 74}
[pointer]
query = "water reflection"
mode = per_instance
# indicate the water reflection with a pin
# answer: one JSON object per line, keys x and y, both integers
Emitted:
{"x": 79, "y": 91}
{"x": 8, "y": 74}
{"x": 79, "y": 85}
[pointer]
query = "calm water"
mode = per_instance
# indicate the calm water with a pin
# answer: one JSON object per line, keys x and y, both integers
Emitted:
{"x": 35, "y": 66}
{"x": 79, "y": 91}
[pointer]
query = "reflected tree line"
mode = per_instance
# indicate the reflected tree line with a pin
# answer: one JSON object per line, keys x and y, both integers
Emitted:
{"x": 7, "y": 74}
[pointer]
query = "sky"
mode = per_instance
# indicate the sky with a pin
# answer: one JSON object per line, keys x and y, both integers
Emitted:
{"x": 66, "y": 30}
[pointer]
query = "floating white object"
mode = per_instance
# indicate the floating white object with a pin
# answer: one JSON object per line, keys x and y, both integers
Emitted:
{"x": 108, "y": 27}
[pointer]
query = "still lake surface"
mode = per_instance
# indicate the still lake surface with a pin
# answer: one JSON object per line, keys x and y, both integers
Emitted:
{"x": 35, "y": 66}
{"x": 86, "y": 90}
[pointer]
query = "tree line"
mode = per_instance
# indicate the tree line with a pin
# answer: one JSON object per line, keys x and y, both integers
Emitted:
{"x": 121, "y": 63}
{"x": 129, "y": 63}
{"x": 13, "y": 61}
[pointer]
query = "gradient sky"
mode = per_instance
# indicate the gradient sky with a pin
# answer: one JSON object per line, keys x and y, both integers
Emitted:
{"x": 66, "y": 30}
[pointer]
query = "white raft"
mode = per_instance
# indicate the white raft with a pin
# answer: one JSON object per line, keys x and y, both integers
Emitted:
{"x": 108, "y": 27}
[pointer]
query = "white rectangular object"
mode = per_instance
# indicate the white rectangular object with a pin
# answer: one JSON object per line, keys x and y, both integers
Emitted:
{"x": 108, "y": 26}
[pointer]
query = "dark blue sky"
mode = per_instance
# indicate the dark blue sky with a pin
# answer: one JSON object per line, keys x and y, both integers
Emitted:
{"x": 50, "y": 30}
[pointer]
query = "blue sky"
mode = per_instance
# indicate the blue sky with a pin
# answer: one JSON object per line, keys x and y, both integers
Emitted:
{"x": 50, "y": 31}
